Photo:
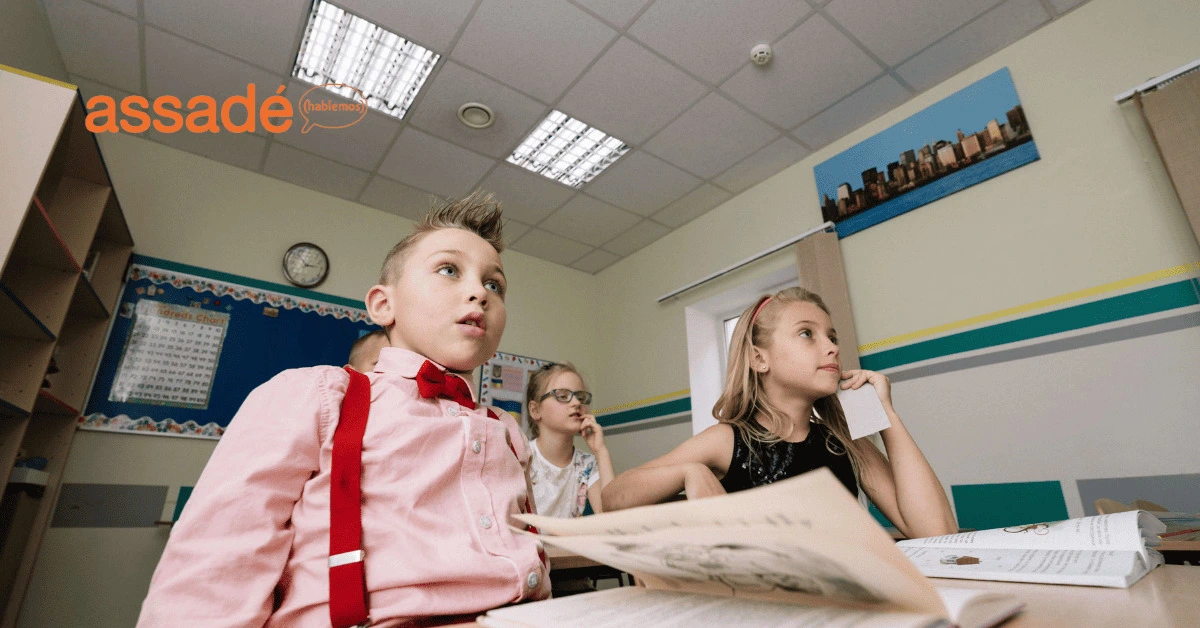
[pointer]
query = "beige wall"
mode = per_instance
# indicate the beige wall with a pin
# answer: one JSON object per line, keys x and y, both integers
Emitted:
{"x": 26, "y": 42}
{"x": 1096, "y": 208}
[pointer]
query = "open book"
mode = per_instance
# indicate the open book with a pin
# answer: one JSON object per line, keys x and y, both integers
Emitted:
{"x": 797, "y": 552}
{"x": 1105, "y": 551}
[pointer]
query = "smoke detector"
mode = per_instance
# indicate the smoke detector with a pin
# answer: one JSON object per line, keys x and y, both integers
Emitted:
{"x": 476, "y": 115}
{"x": 761, "y": 54}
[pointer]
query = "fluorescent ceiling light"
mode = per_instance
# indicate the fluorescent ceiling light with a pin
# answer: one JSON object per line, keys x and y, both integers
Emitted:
{"x": 342, "y": 48}
{"x": 567, "y": 150}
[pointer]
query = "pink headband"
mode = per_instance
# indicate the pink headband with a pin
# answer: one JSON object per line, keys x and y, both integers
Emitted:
{"x": 759, "y": 309}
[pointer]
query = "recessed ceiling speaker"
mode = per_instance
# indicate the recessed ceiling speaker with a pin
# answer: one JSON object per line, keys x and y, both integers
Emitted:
{"x": 476, "y": 115}
{"x": 761, "y": 54}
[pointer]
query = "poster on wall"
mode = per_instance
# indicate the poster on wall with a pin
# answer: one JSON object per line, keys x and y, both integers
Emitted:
{"x": 502, "y": 382}
{"x": 189, "y": 344}
{"x": 973, "y": 135}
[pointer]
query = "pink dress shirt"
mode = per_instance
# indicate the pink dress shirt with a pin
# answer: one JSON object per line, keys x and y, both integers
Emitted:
{"x": 439, "y": 483}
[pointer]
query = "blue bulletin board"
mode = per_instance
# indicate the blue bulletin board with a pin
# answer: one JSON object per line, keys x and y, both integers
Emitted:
{"x": 502, "y": 383}
{"x": 189, "y": 344}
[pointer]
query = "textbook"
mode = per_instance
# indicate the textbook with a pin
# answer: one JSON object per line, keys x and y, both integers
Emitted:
{"x": 1104, "y": 551}
{"x": 797, "y": 552}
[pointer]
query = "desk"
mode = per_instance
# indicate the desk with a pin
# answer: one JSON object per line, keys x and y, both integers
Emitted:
{"x": 1167, "y": 596}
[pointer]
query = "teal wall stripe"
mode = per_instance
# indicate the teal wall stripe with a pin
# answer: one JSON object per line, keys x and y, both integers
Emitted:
{"x": 1148, "y": 301}
{"x": 146, "y": 260}
{"x": 674, "y": 406}
{"x": 185, "y": 493}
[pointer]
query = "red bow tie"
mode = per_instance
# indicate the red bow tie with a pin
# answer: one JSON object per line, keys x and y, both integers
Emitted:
{"x": 433, "y": 382}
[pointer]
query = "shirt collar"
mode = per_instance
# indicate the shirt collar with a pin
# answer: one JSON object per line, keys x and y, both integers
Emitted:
{"x": 406, "y": 363}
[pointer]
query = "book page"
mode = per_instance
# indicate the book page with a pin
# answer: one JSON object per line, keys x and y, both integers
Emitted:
{"x": 762, "y": 562}
{"x": 637, "y": 606}
{"x": 1119, "y": 531}
{"x": 813, "y": 505}
{"x": 864, "y": 411}
{"x": 1083, "y": 567}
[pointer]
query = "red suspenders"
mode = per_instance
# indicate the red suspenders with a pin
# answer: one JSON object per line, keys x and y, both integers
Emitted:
{"x": 347, "y": 578}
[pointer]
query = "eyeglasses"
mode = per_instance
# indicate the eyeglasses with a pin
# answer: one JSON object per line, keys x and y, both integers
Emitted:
{"x": 564, "y": 395}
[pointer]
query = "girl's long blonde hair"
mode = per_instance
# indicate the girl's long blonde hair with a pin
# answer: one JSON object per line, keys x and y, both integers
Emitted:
{"x": 743, "y": 399}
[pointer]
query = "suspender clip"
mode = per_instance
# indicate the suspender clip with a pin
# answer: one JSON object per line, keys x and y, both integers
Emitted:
{"x": 346, "y": 558}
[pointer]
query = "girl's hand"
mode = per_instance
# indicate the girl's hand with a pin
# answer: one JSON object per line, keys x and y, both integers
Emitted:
{"x": 699, "y": 482}
{"x": 592, "y": 434}
{"x": 852, "y": 380}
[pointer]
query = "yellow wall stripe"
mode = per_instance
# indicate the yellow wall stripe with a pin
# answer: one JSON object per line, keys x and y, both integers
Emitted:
{"x": 643, "y": 402}
{"x": 1020, "y": 309}
{"x": 39, "y": 77}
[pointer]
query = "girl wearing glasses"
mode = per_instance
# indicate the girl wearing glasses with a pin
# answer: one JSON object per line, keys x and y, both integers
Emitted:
{"x": 564, "y": 478}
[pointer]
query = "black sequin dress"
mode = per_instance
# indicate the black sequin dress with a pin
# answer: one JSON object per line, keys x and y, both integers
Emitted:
{"x": 782, "y": 460}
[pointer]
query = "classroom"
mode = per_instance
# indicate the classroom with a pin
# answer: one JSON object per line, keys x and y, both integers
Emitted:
{"x": 1040, "y": 328}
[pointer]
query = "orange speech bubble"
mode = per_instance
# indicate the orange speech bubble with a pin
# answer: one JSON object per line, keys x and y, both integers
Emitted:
{"x": 329, "y": 113}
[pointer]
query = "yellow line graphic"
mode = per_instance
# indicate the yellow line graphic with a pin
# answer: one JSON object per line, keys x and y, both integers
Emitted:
{"x": 39, "y": 77}
{"x": 643, "y": 402}
{"x": 1036, "y": 305}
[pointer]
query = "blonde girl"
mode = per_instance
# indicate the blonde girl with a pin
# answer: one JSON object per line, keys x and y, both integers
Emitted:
{"x": 778, "y": 416}
{"x": 564, "y": 478}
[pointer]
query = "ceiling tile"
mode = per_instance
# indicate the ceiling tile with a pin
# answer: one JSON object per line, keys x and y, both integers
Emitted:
{"x": 588, "y": 220}
{"x": 712, "y": 39}
{"x": 630, "y": 93}
{"x": 433, "y": 164}
{"x": 244, "y": 150}
{"x": 595, "y": 261}
{"x": 525, "y": 196}
{"x": 264, "y": 32}
{"x": 898, "y": 29}
{"x": 89, "y": 88}
{"x": 396, "y": 198}
{"x": 617, "y": 12}
{"x": 550, "y": 247}
{"x": 695, "y": 204}
{"x": 876, "y": 98}
{"x": 767, "y": 162}
{"x": 361, "y": 145}
{"x": 536, "y": 46}
{"x": 813, "y": 67}
{"x": 431, "y": 24}
{"x": 513, "y": 230}
{"x": 180, "y": 68}
{"x": 641, "y": 183}
{"x": 128, "y": 7}
{"x": 639, "y": 236}
{"x": 97, "y": 43}
{"x": 315, "y": 173}
{"x": 454, "y": 86}
{"x": 1062, "y": 6}
{"x": 994, "y": 30}
{"x": 711, "y": 136}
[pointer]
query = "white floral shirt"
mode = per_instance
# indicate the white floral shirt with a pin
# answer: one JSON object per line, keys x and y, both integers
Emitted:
{"x": 561, "y": 491}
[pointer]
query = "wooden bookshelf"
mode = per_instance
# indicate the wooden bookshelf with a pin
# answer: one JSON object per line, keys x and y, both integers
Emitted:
{"x": 65, "y": 248}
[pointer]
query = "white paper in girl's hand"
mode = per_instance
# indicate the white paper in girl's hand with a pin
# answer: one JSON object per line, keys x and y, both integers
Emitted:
{"x": 864, "y": 411}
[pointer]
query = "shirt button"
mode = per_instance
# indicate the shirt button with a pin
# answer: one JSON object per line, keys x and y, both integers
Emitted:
{"x": 453, "y": 410}
{"x": 532, "y": 580}
{"x": 485, "y": 522}
{"x": 476, "y": 446}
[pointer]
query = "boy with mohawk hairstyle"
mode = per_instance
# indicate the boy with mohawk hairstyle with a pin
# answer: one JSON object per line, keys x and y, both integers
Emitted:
{"x": 309, "y": 514}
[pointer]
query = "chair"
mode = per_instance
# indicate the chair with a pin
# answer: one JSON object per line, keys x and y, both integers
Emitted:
{"x": 1107, "y": 506}
{"x": 1149, "y": 505}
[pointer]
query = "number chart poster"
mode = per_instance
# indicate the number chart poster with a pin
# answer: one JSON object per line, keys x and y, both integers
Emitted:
{"x": 502, "y": 384}
{"x": 189, "y": 344}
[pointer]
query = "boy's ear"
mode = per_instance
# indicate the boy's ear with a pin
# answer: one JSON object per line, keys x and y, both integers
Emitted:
{"x": 380, "y": 306}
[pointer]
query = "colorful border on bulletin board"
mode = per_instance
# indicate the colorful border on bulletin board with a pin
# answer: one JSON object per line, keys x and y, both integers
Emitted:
{"x": 271, "y": 328}
{"x": 502, "y": 381}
